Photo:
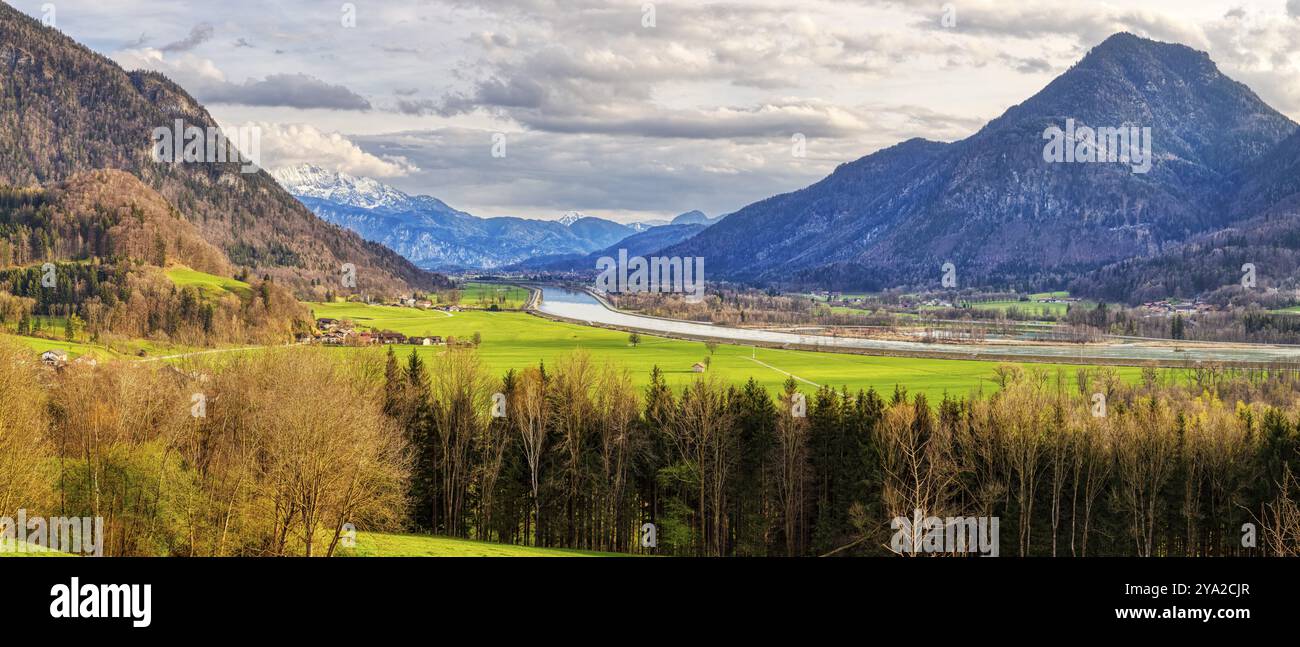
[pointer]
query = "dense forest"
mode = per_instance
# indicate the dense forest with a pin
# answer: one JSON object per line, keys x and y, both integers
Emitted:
{"x": 104, "y": 239}
{"x": 272, "y": 453}
{"x": 122, "y": 301}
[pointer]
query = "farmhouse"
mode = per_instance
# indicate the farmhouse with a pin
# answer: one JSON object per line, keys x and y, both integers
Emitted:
{"x": 699, "y": 367}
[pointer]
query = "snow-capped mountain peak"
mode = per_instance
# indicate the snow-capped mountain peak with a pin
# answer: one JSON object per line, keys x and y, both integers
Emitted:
{"x": 570, "y": 218}
{"x": 313, "y": 181}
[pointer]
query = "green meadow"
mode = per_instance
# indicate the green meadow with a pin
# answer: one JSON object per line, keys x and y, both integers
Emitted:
{"x": 18, "y": 549}
{"x": 373, "y": 544}
{"x": 129, "y": 348}
{"x": 73, "y": 349}
{"x": 516, "y": 340}
{"x": 1030, "y": 308}
{"x": 481, "y": 295}
{"x": 376, "y": 544}
{"x": 209, "y": 285}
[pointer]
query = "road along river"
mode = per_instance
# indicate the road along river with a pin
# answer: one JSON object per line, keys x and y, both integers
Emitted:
{"x": 584, "y": 308}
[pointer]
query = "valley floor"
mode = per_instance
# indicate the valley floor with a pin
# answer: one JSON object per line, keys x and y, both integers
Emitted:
{"x": 568, "y": 305}
{"x": 514, "y": 340}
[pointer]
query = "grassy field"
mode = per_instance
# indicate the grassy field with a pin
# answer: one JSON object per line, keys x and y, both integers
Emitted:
{"x": 73, "y": 349}
{"x": 117, "y": 348}
{"x": 373, "y": 544}
{"x": 847, "y": 295}
{"x": 516, "y": 340}
{"x": 209, "y": 285}
{"x": 482, "y": 295}
{"x": 1030, "y": 308}
{"x": 370, "y": 544}
{"x": 34, "y": 551}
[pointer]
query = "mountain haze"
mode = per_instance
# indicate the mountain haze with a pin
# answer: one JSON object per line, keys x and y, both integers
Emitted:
{"x": 645, "y": 243}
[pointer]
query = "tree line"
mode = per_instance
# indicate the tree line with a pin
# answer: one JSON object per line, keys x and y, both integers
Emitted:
{"x": 294, "y": 447}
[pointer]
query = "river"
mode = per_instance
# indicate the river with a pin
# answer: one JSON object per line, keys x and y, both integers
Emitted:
{"x": 582, "y": 307}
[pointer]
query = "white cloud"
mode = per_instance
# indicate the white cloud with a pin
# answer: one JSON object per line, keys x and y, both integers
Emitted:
{"x": 186, "y": 69}
{"x": 290, "y": 144}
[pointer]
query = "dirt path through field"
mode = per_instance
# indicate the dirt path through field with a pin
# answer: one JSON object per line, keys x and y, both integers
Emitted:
{"x": 785, "y": 373}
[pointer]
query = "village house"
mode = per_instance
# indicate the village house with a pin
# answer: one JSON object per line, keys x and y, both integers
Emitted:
{"x": 699, "y": 367}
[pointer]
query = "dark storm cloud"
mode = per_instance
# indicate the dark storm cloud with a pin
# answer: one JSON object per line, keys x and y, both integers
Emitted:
{"x": 289, "y": 90}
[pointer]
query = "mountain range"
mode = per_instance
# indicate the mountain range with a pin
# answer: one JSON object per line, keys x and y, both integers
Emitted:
{"x": 69, "y": 113}
{"x": 1222, "y": 189}
{"x": 644, "y": 243}
{"x": 1003, "y": 214}
{"x": 436, "y": 236}
{"x": 996, "y": 205}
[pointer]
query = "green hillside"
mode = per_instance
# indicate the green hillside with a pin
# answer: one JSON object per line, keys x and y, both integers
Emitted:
{"x": 209, "y": 285}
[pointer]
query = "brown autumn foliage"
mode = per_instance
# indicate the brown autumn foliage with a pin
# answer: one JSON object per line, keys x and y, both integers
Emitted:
{"x": 266, "y": 454}
{"x": 275, "y": 452}
{"x": 25, "y": 478}
{"x": 109, "y": 238}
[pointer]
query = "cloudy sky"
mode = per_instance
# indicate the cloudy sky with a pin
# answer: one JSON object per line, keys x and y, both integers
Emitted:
{"x": 637, "y": 110}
